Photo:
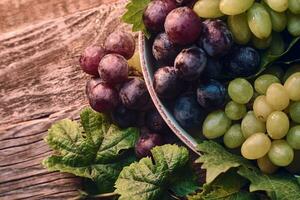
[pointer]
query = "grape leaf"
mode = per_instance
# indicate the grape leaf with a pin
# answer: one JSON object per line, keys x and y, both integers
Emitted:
{"x": 150, "y": 180}
{"x": 134, "y": 15}
{"x": 94, "y": 150}
{"x": 280, "y": 186}
{"x": 217, "y": 160}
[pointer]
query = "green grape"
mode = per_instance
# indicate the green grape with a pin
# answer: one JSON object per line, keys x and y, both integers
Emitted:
{"x": 278, "y": 125}
{"x": 277, "y": 96}
{"x": 259, "y": 21}
{"x": 265, "y": 165}
{"x": 292, "y": 86}
{"x": 240, "y": 90}
{"x": 277, "y": 46}
{"x": 208, "y": 8}
{"x": 238, "y": 25}
{"x": 261, "y": 43}
{"x": 294, "y": 167}
{"x": 215, "y": 125}
{"x": 278, "y": 19}
{"x": 263, "y": 82}
{"x": 293, "y": 137}
{"x": 256, "y": 146}
{"x": 290, "y": 71}
{"x": 280, "y": 153}
{"x": 261, "y": 108}
{"x": 135, "y": 62}
{"x": 275, "y": 70}
{"x": 293, "y": 25}
{"x": 235, "y": 111}
{"x": 234, "y": 138}
{"x": 294, "y": 111}
{"x": 278, "y": 5}
{"x": 233, "y": 7}
{"x": 251, "y": 125}
{"x": 294, "y": 6}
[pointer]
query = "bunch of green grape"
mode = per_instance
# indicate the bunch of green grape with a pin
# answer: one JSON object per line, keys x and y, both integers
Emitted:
{"x": 263, "y": 119}
{"x": 254, "y": 21}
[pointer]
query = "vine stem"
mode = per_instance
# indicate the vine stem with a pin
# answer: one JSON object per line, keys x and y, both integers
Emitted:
{"x": 99, "y": 196}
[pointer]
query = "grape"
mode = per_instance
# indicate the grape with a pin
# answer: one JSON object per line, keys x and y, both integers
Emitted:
{"x": 134, "y": 94}
{"x": 156, "y": 12}
{"x": 278, "y": 19}
{"x": 120, "y": 42}
{"x": 293, "y": 137}
{"x": 294, "y": 6}
{"x": 240, "y": 90}
{"x": 259, "y": 21}
{"x": 251, "y": 125}
{"x": 91, "y": 84}
{"x": 215, "y": 125}
{"x": 292, "y": 86}
{"x": 256, "y": 146}
{"x": 233, "y": 7}
{"x": 183, "y": 26}
{"x": 234, "y": 138}
{"x": 266, "y": 166}
{"x": 281, "y": 154}
{"x": 146, "y": 142}
{"x": 275, "y": 70}
{"x": 263, "y": 82}
{"x": 277, "y": 96}
{"x": 124, "y": 117}
{"x": 238, "y": 25}
{"x": 155, "y": 122}
{"x": 261, "y": 108}
{"x": 278, "y": 5}
{"x": 293, "y": 25}
{"x": 294, "y": 167}
{"x": 208, "y": 8}
{"x": 278, "y": 125}
{"x": 243, "y": 61}
{"x": 184, "y": 2}
{"x": 190, "y": 63}
{"x": 113, "y": 69}
{"x": 188, "y": 112}
{"x": 213, "y": 68}
{"x": 216, "y": 38}
{"x": 166, "y": 82}
{"x": 164, "y": 51}
{"x": 261, "y": 43}
{"x": 294, "y": 111}
{"x": 101, "y": 96}
{"x": 290, "y": 71}
{"x": 277, "y": 46}
{"x": 235, "y": 111}
{"x": 90, "y": 59}
{"x": 211, "y": 94}
{"x": 135, "y": 63}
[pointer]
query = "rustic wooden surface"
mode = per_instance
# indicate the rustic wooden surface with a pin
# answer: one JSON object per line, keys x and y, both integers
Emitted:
{"x": 41, "y": 82}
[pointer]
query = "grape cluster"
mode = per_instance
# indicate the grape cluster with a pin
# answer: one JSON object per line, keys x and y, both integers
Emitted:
{"x": 262, "y": 120}
{"x": 112, "y": 90}
{"x": 254, "y": 21}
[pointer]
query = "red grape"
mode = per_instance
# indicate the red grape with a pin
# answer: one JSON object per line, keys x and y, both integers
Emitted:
{"x": 90, "y": 59}
{"x": 146, "y": 142}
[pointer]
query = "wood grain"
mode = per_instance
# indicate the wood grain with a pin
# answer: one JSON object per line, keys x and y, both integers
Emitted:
{"x": 40, "y": 83}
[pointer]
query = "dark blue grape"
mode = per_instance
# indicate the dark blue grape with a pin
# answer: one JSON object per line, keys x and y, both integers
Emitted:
{"x": 146, "y": 142}
{"x": 124, "y": 117}
{"x": 155, "y": 122}
{"x": 213, "y": 69}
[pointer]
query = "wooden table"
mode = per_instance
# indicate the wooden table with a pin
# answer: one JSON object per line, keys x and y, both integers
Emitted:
{"x": 41, "y": 82}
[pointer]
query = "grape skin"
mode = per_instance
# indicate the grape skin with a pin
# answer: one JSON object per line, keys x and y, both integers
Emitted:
{"x": 256, "y": 146}
{"x": 90, "y": 59}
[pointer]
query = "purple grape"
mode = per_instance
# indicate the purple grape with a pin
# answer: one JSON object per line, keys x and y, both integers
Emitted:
{"x": 124, "y": 117}
{"x": 146, "y": 142}
{"x": 134, "y": 94}
{"x": 101, "y": 96}
{"x": 164, "y": 51}
{"x": 213, "y": 68}
{"x": 90, "y": 59}
{"x": 113, "y": 69}
{"x": 190, "y": 63}
{"x": 120, "y": 42}
{"x": 166, "y": 82}
{"x": 155, "y": 122}
{"x": 216, "y": 39}
{"x": 155, "y": 14}
{"x": 183, "y": 26}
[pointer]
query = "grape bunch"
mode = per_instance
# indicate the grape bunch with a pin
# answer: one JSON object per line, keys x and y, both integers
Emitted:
{"x": 262, "y": 118}
{"x": 112, "y": 90}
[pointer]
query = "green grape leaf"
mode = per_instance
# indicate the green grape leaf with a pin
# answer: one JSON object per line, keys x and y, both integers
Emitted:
{"x": 151, "y": 180}
{"x": 94, "y": 149}
{"x": 226, "y": 187}
{"x": 216, "y": 160}
{"x": 134, "y": 15}
{"x": 280, "y": 186}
